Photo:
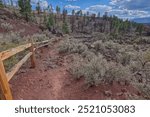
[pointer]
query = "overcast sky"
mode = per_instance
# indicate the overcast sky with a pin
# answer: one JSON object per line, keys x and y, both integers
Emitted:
{"x": 121, "y": 8}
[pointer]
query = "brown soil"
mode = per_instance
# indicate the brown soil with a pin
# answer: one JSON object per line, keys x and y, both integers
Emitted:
{"x": 51, "y": 80}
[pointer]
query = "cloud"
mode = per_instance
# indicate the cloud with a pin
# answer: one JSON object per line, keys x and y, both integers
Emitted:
{"x": 132, "y": 4}
{"x": 72, "y": 7}
{"x": 130, "y": 8}
{"x": 43, "y": 3}
{"x": 98, "y": 8}
{"x": 34, "y": 1}
{"x": 125, "y": 13}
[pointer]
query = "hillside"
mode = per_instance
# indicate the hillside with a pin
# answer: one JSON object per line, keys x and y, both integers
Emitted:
{"x": 88, "y": 57}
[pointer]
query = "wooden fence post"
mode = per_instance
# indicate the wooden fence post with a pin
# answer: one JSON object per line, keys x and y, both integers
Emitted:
{"x": 33, "y": 54}
{"x": 4, "y": 82}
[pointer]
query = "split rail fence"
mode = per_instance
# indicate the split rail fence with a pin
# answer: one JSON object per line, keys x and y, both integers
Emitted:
{"x": 6, "y": 77}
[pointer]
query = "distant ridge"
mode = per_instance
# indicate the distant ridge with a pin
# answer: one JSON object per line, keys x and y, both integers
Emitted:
{"x": 145, "y": 20}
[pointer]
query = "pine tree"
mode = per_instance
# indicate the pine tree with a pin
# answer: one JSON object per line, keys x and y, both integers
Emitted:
{"x": 25, "y": 8}
{"x": 11, "y": 2}
{"x": 50, "y": 9}
{"x": 99, "y": 15}
{"x": 1, "y": 4}
{"x": 38, "y": 8}
{"x": 58, "y": 9}
{"x": 64, "y": 15}
{"x": 73, "y": 12}
{"x": 87, "y": 13}
{"x": 80, "y": 13}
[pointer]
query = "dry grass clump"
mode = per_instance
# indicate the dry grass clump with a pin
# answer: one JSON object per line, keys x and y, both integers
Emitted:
{"x": 6, "y": 26}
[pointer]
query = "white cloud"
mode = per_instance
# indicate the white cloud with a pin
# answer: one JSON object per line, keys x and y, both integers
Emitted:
{"x": 130, "y": 8}
{"x": 72, "y": 7}
{"x": 98, "y": 8}
{"x": 44, "y": 4}
{"x": 125, "y": 13}
{"x": 34, "y": 1}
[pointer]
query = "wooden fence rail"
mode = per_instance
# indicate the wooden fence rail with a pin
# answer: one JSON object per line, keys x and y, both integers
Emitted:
{"x": 6, "y": 77}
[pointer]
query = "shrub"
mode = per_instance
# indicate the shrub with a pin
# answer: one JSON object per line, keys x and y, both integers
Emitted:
{"x": 65, "y": 28}
{"x": 6, "y": 26}
{"x": 93, "y": 71}
{"x": 145, "y": 90}
{"x": 124, "y": 58}
{"x": 98, "y": 70}
{"x": 142, "y": 40}
{"x": 72, "y": 46}
{"x": 10, "y": 40}
{"x": 140, "y": 66}
{"x": 39, "y": 37}
{"x": 88, "y": 55}
{"x": 99, "y": 46}
{"x": 117, "y": 73}
{"x": 109, "y": 49}
{"x": 76, "y": 68}
{"x": 100, "y": 36}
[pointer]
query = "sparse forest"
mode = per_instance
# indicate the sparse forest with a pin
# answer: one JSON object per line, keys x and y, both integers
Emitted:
{"x": 91, "y": 54}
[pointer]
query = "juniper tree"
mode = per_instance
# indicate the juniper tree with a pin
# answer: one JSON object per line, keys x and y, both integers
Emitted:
{"x": 139, "y": 29}
{"x": 50, "y": 22}
{"x": 65, "y": 28}
{"x": 25, "y": 8}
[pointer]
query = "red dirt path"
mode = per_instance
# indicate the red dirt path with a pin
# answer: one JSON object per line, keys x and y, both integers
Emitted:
{"x": 50, "y": 80}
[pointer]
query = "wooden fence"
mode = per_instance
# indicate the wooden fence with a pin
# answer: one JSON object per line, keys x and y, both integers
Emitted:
{"x": 5, "y": 77}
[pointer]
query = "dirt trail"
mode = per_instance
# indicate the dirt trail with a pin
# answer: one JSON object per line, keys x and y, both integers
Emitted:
{"x": 50, "y": 80}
